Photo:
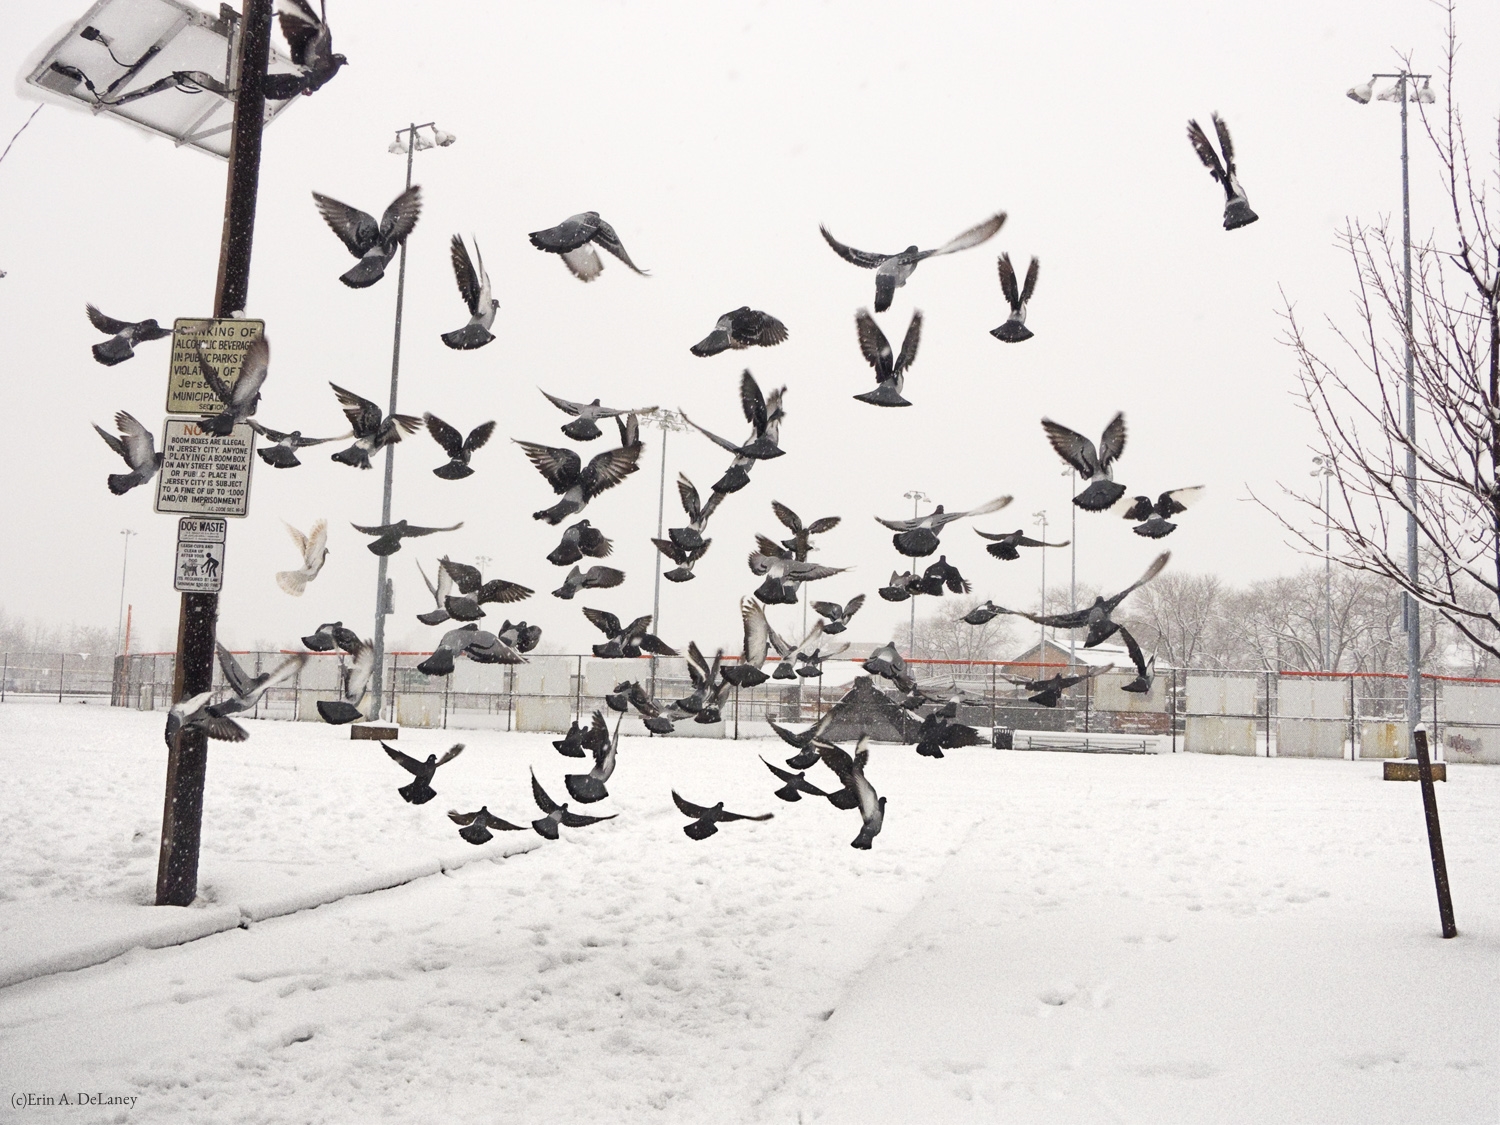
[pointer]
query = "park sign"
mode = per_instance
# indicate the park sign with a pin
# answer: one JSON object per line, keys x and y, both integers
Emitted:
{"x": 200, "y": 555}
{"x": 202, "y": 473}
{"x": 222, "y": 342}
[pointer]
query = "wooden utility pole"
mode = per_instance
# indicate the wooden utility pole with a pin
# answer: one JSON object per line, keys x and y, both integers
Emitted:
{"x": 187, "y": 761}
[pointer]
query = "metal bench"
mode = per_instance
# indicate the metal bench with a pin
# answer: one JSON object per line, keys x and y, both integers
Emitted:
{"x": 1083, "y": 743}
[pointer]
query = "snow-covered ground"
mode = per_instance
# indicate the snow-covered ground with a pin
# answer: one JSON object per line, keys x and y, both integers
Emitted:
{"x": 1042, "y": 937}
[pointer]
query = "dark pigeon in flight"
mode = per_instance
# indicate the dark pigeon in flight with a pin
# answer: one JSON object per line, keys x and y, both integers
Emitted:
{"x": 124, "y": 336}
{"x": 1092, "y": 463}
{"x": 419, "y": 791}
{"x": 138, "y": 449}
{"x": 1237, "y": 211}
{"x": 1014, "y": 330}
{"x": 706, "y": 821}
{"x": 574, "y": 239}
{"x": 474, "y": 288}
{"x": 892, "y": 270}
{"x": 743, "y": 327}
{"x": 374, "y": 244}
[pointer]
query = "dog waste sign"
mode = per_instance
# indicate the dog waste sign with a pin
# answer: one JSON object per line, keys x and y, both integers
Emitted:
{"x": 222, "y": 343}
{"x": 202, "y": 473}
{"x": 200, "y": 555}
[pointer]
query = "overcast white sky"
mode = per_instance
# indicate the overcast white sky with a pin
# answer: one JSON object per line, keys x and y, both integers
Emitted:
{"x": 716, "y": 138}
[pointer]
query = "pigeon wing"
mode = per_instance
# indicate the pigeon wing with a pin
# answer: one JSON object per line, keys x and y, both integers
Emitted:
{"x": 971, "y": 237}
{"x": 467, "y": 578}
{"x": 610, "y": 468}
{"x": 211, "y": 376}
{"x": 688, "y": 494}
{"x": 1205, "y": 150}
{"x": 104, "y": 323}
{"x": 1151, "y": 572}
{"x": 363, "y": 414}
{"x": 253, "y": 370}
{"x": 824, "y": 525}
{"x": 539, "y": 795}
{"x": 406, "y": 762}
{"x": 479, "y": 436}
{"x": 445, "y": 435}
{"x": 1178, "y": 500}
{"x": 356, "y": 229}
{"x": 579, "y": 820}
{"x": 1137, "y": 657}
{"x": 412, "y": 530}
{"x": 563, "y": 404}
{"x": 1008, "y": 282}
{"x": 862, "y": 258}
{"x": 1225, "y": 144}
{"x": 454, "y": 751}
{"x": 401, "y": 216}
{"x": 559, "y": 466}
{"x": 606, "y": 622}
{"x": 697, "y": 812}
{"x": 300, "y": 27}
{"x": 873, "y": 345}
{"x": 1077, "y": 450}
{"x": 908, "y": 354}
{"x": 788, "y": 517}
{"x": 1112, "y": 441}
{"x": 464, "y": 274}
{"x": 1031, "y": 275}
{"x": 240, "y": 682}
{"x": 606, "y": 237}
{"x": 752, "y": 402}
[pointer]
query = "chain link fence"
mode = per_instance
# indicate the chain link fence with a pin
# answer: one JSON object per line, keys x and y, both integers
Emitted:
{"x": 1286, "y": 714}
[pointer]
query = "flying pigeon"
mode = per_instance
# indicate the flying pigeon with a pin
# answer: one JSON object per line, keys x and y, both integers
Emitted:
{"x": 1145, "y": 670}
{"x": 388, "y": 536}
{"x": 138, "y": 449}
{"x": 419, "y": 791}
{"x": 586, "y": 788}
{"x": 690, "y": 538}
{"x": 983, "y": 614}
{"x": 1096, "y": 618}
{"x": 555, "y": 814}
{"x": 331, "y": 636}
{"x": 458, "y": 448}
{"x": 807, "y": 743}
{"x": 311, "y": 43}
{"x": 474, "y": 288}
{"x": 247, "y": 690}
{"x": 571, "y": 239}
{"x": 736, "y": 476}
{"x": 940, "y": 731}
{"x": 625, "y": 640}
{"x": 796, "y": 784}
{"x": 747, "y": 671}
{"x": 783, "y": 575}
{"x": 1005, "y": 544}
{"x": 580, "y": 539}
{"x": 918, "y": 537}
{"x": 476, "y": 827}
{"x": 356, "y": 680}
{"x": 708, "y": 688}
{"x": 468, "y": 640}
{"x": 706, "y": 821}
{"x": 440, "y": 591}
{"x": 124, "y": 336}
{"x": 373, "y": 244}
{"x": 578, "y": 743}
{"x": 240, "y": 399}
{"x": 838, "y": 616}
{"x": 586, "y": 415}
{"x": 628, "y": 694}
{"x": 372, "y": 429}
{"x": 764, "y": 413}
{"x": 1048, "y": 691}
{"x": 886, "y": 663}
{"x": 943, "y": 574}
{"x": 800, "y": 544}
{"x": 577, "y": 483}
{"x": 903, "y": 586}
{"x": 520, "y": 636}
{"x": 892, "y": 270}
{"x": 597, "y": 578}
{"x": 314, "y": 548}
{"x": 1014, "y": 330}
{"x": 282, "y": 453}
{"x": 197, "y": 714}
{"x": 1152, "y": 517}
{"x": 890, "y": 373}
{"x": 742, "y": 328}
{"x": 851, "y": 771}
{"x": 1237, "y": 211}
{"x": 474, "y": 592}
{"x": 1091, "y": 461}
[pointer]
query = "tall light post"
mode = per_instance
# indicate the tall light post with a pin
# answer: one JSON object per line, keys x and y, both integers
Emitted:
{"x": 1072, "y": 563}
{"x": 410, "y": 141}
{"x": 124, "y": 563}
{"x": 1324, "y": 468}
{"x": 915, "y": 497}
{"x": 1040, "y": 518}
{"x": 1406, "y": 91}
{"x": 666, "y": 421}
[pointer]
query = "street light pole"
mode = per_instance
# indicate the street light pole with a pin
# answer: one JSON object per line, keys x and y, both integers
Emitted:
{"x": 124, "y": 563}
{"x": 1404, "y": 91}
{"x": 915, "y": 497}
{"x": 1324, "y": 469}
{"x": 666, "y": 421}
{"x": 1041, "y": 518}
{"x": 413, "y": 142}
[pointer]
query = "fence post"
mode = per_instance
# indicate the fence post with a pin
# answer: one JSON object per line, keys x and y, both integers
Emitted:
{"x": 62, "y": 665}
{"x": 736, "y": 712}
{"x": 578, "y": 689}
{"x": 1434, "y": 833}
{"x": 1268, "y": 713}
{"x": 1437, "y": 733}
{"x": 4, "y": 676}
{"x": 1353, "y": 723}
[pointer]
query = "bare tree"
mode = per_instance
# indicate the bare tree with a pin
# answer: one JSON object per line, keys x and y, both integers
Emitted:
{"x": 943, "y": 634}
{"x": 1356, "y": 403}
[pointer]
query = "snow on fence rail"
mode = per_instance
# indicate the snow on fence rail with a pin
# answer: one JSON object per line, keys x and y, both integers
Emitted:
{"x": 1284, "y": 714}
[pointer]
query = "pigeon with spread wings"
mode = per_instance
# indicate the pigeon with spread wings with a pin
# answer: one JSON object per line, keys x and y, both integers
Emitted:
{"x": 282, "y": 452}
{"x": 355, "y": 679}
{"x": 743, "y": 327}
{"x": 706, "y": 820}
{"x": 837, "y": 617}
{"x": 1145, "y": 670}
{"x": 314, "y": 548}
{"x": 586, "y": 415}
{"x": 586, "y": 788}
{"x": 1151, "y": 516}
{"x": 1005, "y": 545}
{"x": 578, "y": 483}
{"x": 764, "y": 413}
{"x": 851, "y": 771}
{"x": 469, "y": 640}
{"x": 595, "y": 578}
{"x": 554, "y": 814}
{"x": 476, "y": 827}
{"x": 625, "y": 640}
{"x": 892, "y": 270}
{"x": 311, "y": 45}
{"x": 918, "y": 537}
{"x": 458, "y": 448}
{"x": 474, "y": 288}
{"x": 136, "y": 447}
{"x": 388, "y": 536}
{"x": 890, "y": 371}
{"x": 1048, "y": 691}
{"x": 419, "y": 791}
{"x": 373, "y": 430}
{"x": 580, "y": 539}
{"x": 474, "y": 592}
{"x": 1094, "y": 463}
{"x": 124, "y": 335}
{"x": 1096, "y": 618}
{"x": 1014, "y": 330}
{"x": 574, "y": 239}
{"x": 1237, "y": 211}
{"x": 374, "y": 244}
{"x": 800, "y": 544}
{"x": 240, "y": 399}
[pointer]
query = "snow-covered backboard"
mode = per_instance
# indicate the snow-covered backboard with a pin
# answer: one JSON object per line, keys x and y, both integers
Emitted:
{"x": 161, "y": 65}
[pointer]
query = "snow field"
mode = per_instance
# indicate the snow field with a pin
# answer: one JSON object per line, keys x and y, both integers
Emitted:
{"x": 1035, "y": 937}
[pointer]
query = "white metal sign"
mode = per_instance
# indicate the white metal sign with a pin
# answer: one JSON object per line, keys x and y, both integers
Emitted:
{"x": 203, "y": 473}
{"x": 223, "y": 343}
{"x": 200, "y": 555}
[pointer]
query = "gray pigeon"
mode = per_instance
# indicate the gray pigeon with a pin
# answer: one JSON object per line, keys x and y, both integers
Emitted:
{"x": 458, "y": 448}
{"x": 311, "y": 45}
{"x": 851, "y": 771}
{"x": 571, "y": 239}
{"x": 419, "y": 791}
{"x": 475, "y": 827}
{"x": 240, "y": 399}
{"x": 372, "y": 429}
{"x": 743, "y": 327}
{"x": 356, "y": 679}
{"x": 374, "y": 244}
{"x": 586, "y": 788}
{"x": 1092, "y": 463}
{"x": 586, "y": 415}
{"x": 282, "y": 453}
{"x": 706, "y": 820}
{"x": 474, "y": 288}
{"x": 554, "y": 814}
{"x": 580, "y": 539}
{"x": 388, "y": 536}
{"x": 597, "y": 578}
{"x": 918, "y": 537}
{"x": 890, "y": 372}
{"x": 1237, "y": 211}
{"x": 1014, "y": 330}
{"x": 892, "y": 270}
{"x": 124, "y": 336}
{"x": 138, "y": 449}
{"x": 578, "y": 483}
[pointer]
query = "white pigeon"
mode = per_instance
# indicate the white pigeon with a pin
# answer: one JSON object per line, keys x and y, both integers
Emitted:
{"x": 314, "y": 548}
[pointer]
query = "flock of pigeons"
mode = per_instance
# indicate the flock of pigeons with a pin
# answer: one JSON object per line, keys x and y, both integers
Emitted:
{"x": 461, "y": 591}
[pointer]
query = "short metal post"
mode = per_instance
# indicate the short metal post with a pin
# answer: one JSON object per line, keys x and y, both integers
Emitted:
{"x": 4, "y": 676}
{"x": 1434, "y": 834}
{"x": 62, "y": 664}
{"x": 578, "y": 689}
{"x": 1353, "y": 723}
{"x": 1174, "y": 710}
{"x": 1268, "y": 713}
{"x": 736, "y": 712}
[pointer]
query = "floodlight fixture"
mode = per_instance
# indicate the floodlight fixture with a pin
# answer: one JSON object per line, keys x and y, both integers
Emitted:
{"x": 1390, "y": 94}
{"x": 443, "y": 139}
{"x": 1425, "y": 94}
{"x": 1363, "y": 92}
{"x": 160, "y": 65}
